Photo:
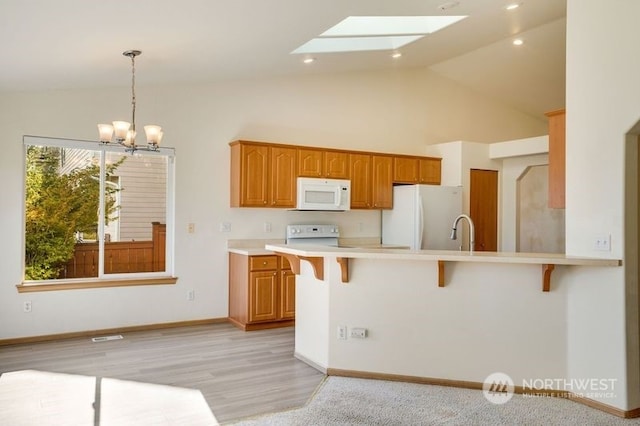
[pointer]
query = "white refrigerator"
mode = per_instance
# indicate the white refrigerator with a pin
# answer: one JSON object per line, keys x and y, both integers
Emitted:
{"x": 422, "y": 217}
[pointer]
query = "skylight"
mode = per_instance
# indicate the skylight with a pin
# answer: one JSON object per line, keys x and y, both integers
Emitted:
{"x": 370, "y": 26}
{"x": 355, "y": 44}
{"x": 363, "y": 33}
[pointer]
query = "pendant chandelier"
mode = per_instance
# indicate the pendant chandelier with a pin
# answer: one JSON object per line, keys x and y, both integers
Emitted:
{"x": 123, "y": 132}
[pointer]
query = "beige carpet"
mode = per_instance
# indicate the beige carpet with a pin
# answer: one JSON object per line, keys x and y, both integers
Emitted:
{"x": 30, "y": 397}
{"x": 344, "y": 401}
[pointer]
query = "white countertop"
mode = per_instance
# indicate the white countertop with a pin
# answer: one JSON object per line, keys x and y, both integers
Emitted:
{"x": 250, "y": 251}
{"x": 440, "y": 255}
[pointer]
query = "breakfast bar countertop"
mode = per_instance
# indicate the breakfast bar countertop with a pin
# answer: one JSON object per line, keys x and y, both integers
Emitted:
{"x": 440, "y": 255}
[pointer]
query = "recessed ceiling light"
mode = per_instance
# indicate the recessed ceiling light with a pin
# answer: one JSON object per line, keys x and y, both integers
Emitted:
{"x": 512, "y": 6}
{"x": 396, "y": 55}
{"x": 449, "y": 5}
{"x": 518, "y": 42}
{"x": 308, "y": 60}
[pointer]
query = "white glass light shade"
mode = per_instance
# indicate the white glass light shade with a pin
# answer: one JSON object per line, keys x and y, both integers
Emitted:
{"x": 121, "y": 128}
{"x": 106, "y": 132}
{"x": 130, "y": 139}
{"x": 154, "y": 134}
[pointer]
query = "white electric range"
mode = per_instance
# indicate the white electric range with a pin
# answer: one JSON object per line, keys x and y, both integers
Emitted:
{"x": 325, "y": 235}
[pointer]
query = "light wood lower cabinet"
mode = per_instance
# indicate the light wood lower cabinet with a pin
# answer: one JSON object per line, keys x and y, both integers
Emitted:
{"x": 262, "y": 292}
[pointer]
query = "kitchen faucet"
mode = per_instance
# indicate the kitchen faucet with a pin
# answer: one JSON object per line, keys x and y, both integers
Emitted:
{"x": 472, "y": 231}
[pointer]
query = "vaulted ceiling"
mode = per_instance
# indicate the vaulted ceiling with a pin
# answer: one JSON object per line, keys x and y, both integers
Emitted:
{"x": 66, "y": 44}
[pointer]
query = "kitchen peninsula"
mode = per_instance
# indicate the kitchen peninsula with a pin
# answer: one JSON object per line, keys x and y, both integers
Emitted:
{"x": 443, "y": 317}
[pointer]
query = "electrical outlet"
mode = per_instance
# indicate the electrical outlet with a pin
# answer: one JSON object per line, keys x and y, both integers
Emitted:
{"x": 26, "y": 307}
{"x": 225, "y": 227}
{"x": 358, "y": 333}
{"x": 191, "y": 295}
{"x": 342, "y": 332}
{"x": 602, "y": 242}
{"x": 191, "y": 228}
{"x": 267, "y": 227}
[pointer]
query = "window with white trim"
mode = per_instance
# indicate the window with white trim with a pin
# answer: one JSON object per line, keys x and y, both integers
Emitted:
{"x": 94, "y": 212}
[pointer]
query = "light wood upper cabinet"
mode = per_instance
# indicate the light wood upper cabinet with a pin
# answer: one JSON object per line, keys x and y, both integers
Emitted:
{"x": 382, "y": 193}
{"x": 412, "y": 170}
{"x": 361, "y": 183}
{"x": 557, "y": 159}
{"x": 310, "y": 162}
{"x": 282, "y": 179}
{"x": 265, "y": 174}
{"x": 430, "y": 171}
{"x": 406, "y": 170}
{"x": 262, "y": 175}
{"x": 249, "y": 175}
{"x": 336, "y": 164}
{"x": 323, "y": 163}
{"x": 371, "y": 181}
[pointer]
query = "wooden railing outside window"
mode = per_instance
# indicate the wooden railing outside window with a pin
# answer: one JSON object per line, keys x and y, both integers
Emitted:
{"x": 120, "y": 257}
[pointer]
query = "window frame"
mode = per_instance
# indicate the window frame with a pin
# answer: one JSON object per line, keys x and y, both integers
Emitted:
{"x": 104, "y": 280}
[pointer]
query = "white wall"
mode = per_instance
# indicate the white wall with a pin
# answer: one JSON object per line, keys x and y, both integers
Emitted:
{"x": 602, "y": 105}
{"x": 488, "y": 318}
{"x": 387, "y": 112}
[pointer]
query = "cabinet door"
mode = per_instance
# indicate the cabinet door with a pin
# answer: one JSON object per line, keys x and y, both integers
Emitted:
{"x": 557, "y": 158}
{"x": 287, "y": 295}
{"x": 283, "y": 177}
{"x": 405, "y": 170}
{"x": 430, "y": 170}
{"x": 262, "y": 296}
{"x": 310, "y": 162}
{"x": 382, "y": 182}
{"x": 361, "y": 185}
{"x": 336, "y": 165}
{"x": 254, "y": 176}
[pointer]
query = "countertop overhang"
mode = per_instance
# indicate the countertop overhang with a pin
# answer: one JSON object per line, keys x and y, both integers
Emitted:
{"x": 315, "y": 255}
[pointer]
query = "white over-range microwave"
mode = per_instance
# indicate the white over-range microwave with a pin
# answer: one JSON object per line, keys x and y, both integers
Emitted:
{"x": 323, "y": 194}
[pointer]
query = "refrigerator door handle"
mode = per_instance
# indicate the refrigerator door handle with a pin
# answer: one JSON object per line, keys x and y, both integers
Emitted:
{"x": 421, "y": 222}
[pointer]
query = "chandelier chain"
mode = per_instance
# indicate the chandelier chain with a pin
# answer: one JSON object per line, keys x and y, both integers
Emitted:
{"x": 133, "y": 93}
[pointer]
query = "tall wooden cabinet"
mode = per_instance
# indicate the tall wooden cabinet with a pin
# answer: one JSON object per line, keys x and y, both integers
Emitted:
{"x": 263, "y": 175}
{"x": 262, "y": 292}
{"x": 557, "y": 158}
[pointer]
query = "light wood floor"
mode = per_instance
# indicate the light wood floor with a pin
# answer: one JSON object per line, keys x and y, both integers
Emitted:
{"x": 239, "y": 373}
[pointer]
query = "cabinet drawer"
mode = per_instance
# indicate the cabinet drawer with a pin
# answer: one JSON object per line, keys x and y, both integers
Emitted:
{"x": 263, "y": 263}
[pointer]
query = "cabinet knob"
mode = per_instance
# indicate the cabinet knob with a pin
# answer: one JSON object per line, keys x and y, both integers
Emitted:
{"x": 274, "y": 273}
{"x": 264, "y": 263}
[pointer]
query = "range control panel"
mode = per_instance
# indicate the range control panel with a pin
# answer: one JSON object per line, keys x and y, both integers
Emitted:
{"x": 312, "y": 231}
